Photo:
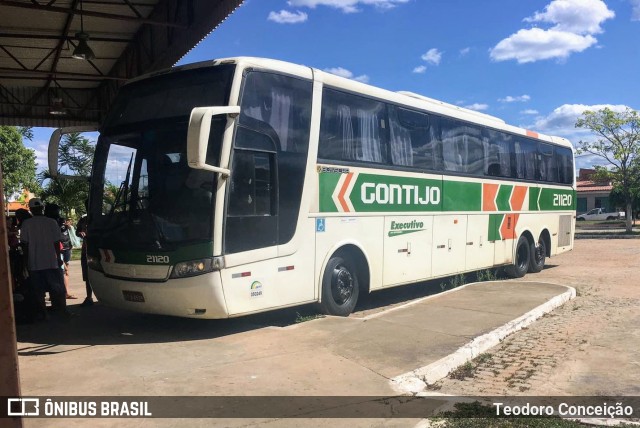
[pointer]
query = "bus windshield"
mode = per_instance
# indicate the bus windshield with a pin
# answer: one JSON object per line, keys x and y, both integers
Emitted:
{"x": 144, "y": 194}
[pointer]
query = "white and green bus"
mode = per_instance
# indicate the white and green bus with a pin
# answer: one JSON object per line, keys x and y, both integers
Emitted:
{"x": 251, "y": 184}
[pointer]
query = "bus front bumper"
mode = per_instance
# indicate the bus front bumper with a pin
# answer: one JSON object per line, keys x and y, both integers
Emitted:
{"x": 195, "y": 297}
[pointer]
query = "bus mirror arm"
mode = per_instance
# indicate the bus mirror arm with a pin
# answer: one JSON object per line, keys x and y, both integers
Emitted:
{"x": 198, "y": 135}
{"x": 222, "y": 171}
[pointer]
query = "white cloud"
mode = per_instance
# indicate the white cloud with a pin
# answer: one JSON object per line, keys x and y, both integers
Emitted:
{"x": 574, "y": 24}
{"x": 286, "y": 17}
{"x": 343, "y": 72}
{"x": 420, "y": 69}
{"x": 347, "y": 6}
{"x": 635, "y": 10}
{"x": 433, "y": 56}
{"x": 537, "y": 44}
{"x": 465, "y": 51}
{"x": 529, "y": 111}
{"x": 477, "y": 106}
{"x": 519, "y": 99}
{"x": 561, "y": 121}
{"x": 574, "y": 16}
{"x": 41, "y": 149}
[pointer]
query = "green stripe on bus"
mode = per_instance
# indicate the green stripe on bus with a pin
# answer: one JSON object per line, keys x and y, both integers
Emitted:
{"x": 557, "y": 199}
{"x": 384, "y": 193}
{"x": 387, "y": 193}
{"x": 504, "y": 195}
{"x": 462, "y": 196}
{"x": 534, "y": 192}
{"x": 328, "y": 183}
{"x": 495, "y": 220}
{"x": 182, "y": 253}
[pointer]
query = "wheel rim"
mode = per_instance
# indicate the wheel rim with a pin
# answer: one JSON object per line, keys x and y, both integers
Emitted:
{"x": 522, "y": 257}
{"x": 540, "y": 253}
{"x": 342, "y": 285}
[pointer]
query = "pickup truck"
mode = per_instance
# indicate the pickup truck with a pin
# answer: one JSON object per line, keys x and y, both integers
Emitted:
{"x": 601, "y": 214}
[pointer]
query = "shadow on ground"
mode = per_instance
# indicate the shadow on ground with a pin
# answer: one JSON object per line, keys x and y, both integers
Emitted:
{"x": 102, "y": 325}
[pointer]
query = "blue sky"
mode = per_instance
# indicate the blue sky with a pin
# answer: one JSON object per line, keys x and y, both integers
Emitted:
{"x": 535, "y": 63}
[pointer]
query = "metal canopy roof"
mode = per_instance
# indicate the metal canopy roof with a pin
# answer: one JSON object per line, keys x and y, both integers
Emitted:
{"x": 41, "y": 84}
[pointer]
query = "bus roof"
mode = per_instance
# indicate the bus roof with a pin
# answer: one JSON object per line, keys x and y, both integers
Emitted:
{"x": 406, "y": 98}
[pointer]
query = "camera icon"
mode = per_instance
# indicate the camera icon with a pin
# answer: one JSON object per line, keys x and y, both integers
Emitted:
{"x": 23, "y": 407}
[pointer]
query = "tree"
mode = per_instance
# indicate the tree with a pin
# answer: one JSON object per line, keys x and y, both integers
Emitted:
{"x": 75, "y": 157}
{"x": 617, "y": 142}
{"x": 76, "y": 154}
{"x": 18, "y": 162}
{"x": 616, "y": 199}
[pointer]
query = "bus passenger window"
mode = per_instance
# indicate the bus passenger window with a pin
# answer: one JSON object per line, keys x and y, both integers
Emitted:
{"x": 547, "y": 163}
{"x": 498, "y": 154}
{"x": 526, "y": 152}
{"x": 463, "y": 150}
{"x": 352, "y": 128}
{"x": 410, "y": 140}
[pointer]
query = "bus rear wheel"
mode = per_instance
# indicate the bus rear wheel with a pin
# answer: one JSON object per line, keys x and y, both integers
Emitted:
{"x": 538, "y": 256}
{"x": 522, "y": 259}
{"x": 340, "y": 287}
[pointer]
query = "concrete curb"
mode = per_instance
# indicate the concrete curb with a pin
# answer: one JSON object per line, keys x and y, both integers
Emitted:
{"x": 417, "y": 380}
{"x": 604, "y": 236}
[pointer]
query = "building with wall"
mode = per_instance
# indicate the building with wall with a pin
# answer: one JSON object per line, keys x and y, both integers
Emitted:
{"x": 592, "y": 194}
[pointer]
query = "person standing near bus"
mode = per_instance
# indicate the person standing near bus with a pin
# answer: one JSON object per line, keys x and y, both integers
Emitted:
{"x": 40, "y": 237}
{"x": 81, "y": 232}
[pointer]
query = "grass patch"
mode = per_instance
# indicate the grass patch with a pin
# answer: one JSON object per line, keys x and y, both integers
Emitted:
{"x": 464, "y": 371}
{"x": 469, "y": 368}
{"x": 472, "y": 415}
{"x": 454, "y": 282}
{"x": 305, "y": 318}
{"x": 483, "y": 358}
{"x": 76, "y": 253}
{"x": 486, "y": 275}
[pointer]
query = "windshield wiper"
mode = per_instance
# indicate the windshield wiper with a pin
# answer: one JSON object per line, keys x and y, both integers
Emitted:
{"x": 123, "y": 190}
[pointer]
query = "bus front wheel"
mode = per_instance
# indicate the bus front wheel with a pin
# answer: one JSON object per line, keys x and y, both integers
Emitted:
{"x": 340, "y": 287}
{"x": 522, "y": 259}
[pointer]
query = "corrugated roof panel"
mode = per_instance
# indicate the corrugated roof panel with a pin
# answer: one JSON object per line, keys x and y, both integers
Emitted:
{"x": 41, "y": 38}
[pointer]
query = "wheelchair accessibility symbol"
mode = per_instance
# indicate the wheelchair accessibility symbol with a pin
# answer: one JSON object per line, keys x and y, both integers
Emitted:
{"x": 320, "y": 226}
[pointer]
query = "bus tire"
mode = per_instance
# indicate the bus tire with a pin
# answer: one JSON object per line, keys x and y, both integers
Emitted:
{"x": 522, "y": 259}
{"x": 340, "y": 287}
{"x": 538, "y": 256}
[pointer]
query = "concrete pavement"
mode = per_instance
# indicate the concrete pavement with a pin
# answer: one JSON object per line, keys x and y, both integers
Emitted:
{"x": 104, "y": 351}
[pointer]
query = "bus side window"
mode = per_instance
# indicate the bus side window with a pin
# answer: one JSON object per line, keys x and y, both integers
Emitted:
{"x": 547, "y": 163}
{"x": 498, "y": 154}
{"x": 451, "y": 145}
{"x": 565, "y": 165}
{"x": 526, "y": 162}
{"x": 462, "y": 148}
{"x": 352, "y": 128}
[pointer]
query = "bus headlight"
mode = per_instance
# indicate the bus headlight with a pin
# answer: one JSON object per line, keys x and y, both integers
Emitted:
{"x": 192, "y": 268}
{"x": 94, "y": 263}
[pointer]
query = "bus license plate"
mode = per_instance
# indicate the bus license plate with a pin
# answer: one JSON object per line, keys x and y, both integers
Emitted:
{"x": 133, "y": 296}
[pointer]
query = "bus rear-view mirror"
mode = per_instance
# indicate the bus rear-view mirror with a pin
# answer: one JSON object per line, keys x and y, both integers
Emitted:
{"x": 70, "y": 152}
{"x": 198, "y": 135}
